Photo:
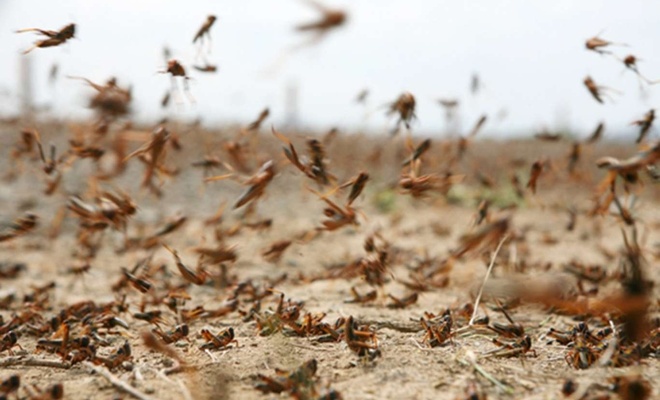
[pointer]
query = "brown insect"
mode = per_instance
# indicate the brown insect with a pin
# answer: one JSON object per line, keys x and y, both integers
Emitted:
{"x": 195, "y": 277}
{"x": 569, "y": 387}
{"x": 257, "y": 183}
{"x": 482, "y": 212}
{"x": 54, "y": 38}
{"x": 19, "y": 227}
{"x": 630, "y": 62}
{"x": 221, "y": 340}
{"x": 259, "y": 225}
{"x": 140, "y": 284}
{"x": 596, "y": 44}
{"x": 256, "y": 124}
{"x": 275, "y": 251}
{"x": 438, "y": 329}
{"x": 404, "y": 106}
{"x": 205, "y": 30}
{"x": 330, "y": 19}
{"x": 581, "y": 355}
{"x": 175, "y": 69}
{"x": 644, "y": 124}
{"x": 217, "y": 255}
{"x": 548, "y": 136}
{"x": 404, "y": 301}
{"x": 337, "y": 216}
{"x": 360, "y": 340}
{"x": 631, "y": 387}
{"x": 152, "y": 153}
{"x": 110, "y": 99}
{"x": 299, "y": 382}
{"x": 154, "y": 239}
{"x": 314, "y": 169}
{"x": 172, "y": 336}
{"x": 535, "y": 173}
{"x": 208, "y": 164}
{"x": 574, "y": 157}
{"x": 49, "y": 164}
{"x": 117, "y": 358}
{"x": 485, "y": 237}
{"x": 595, "y": 90}
{"x": 597, "y": 133}
{"x": 111, "y": 209}
{"x": 153, "y": 317}
{"x": 627, "y": 169}
{"x": 151, "y": 342}
{"x": 518, "y": 348}
{"x": 10, "y": 384}
{"x": 478, "y": 126}
{"x": 362, "y": 298}
{"x": 52, "y": 392}
{"x": 79, "y": 270}
{"x": 210, "y": 68}
{"x": 8, "y": 341}
{"x": 11, "y": 270}
{"x": 357, "y": 185}
{"x": 512, "y": 330}
{"x": 418, "y": 152}
{"x": 418, "y": 185}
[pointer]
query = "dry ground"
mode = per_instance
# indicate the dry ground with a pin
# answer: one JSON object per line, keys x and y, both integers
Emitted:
{"x": 408, "y": 368}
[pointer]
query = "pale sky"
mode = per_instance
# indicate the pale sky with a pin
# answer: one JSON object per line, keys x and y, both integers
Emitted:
{"x": 529, "y": 54}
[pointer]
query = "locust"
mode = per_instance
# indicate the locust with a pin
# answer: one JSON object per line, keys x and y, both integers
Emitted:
{"x": 337, "y": 216}
{"x": 256, "y": 184}
{"x": 172, "y": 336}
{"x": 314, "y": 169}
{"x": 418, "y": 152}
{"x": 176, "y": 70}
{"x": 222, "y": 340}
{"x": 595, "y": 90}
{"x": 644, "y": 124}
{"x": 208, "y": 68}
{"x": 54, "y": 38}
{"x": 275, "y": 251}
{"x": 152, "y": 153}
{"x": 597, "y": 44}
{"x": 195, "y": 277}
{"x": 256, "y": 124}
{"x": 596, "y": 134}
{"x": 21, "y": 226}
{"x": 404, "y": 106}
{"x": 204, "y": 32}
{"x": 10, "y": 385}
{"x": 330, "y": 19}
{"x": 535, "y": 173}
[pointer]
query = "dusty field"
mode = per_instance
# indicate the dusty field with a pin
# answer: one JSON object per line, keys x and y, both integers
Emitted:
{"x": 413, "y": 230}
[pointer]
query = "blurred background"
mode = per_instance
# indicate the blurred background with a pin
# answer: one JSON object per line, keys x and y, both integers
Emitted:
{"x": 528, "y": 59}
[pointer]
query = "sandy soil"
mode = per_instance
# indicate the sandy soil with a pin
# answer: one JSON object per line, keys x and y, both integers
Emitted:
{"x": 408, "y": 368}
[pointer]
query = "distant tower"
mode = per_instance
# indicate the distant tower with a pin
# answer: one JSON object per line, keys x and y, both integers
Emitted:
{"x": 291, "y": 105}
{"x": 26, "y": 89}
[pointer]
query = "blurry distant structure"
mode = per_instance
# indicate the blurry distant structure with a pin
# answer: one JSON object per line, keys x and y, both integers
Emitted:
{"x": 291, "y": 119}
{"x": 450, "y": 107}
{"x": 26, "y": 86}
{"x": 475, "y": 84}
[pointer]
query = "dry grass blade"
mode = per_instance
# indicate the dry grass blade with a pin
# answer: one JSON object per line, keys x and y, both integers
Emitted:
{"x": 116, "y": 382}
{"x": 483, "y": 285}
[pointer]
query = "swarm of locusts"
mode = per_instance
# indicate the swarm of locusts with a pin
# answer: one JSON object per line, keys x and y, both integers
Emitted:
{"x": 174, "y": 262}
